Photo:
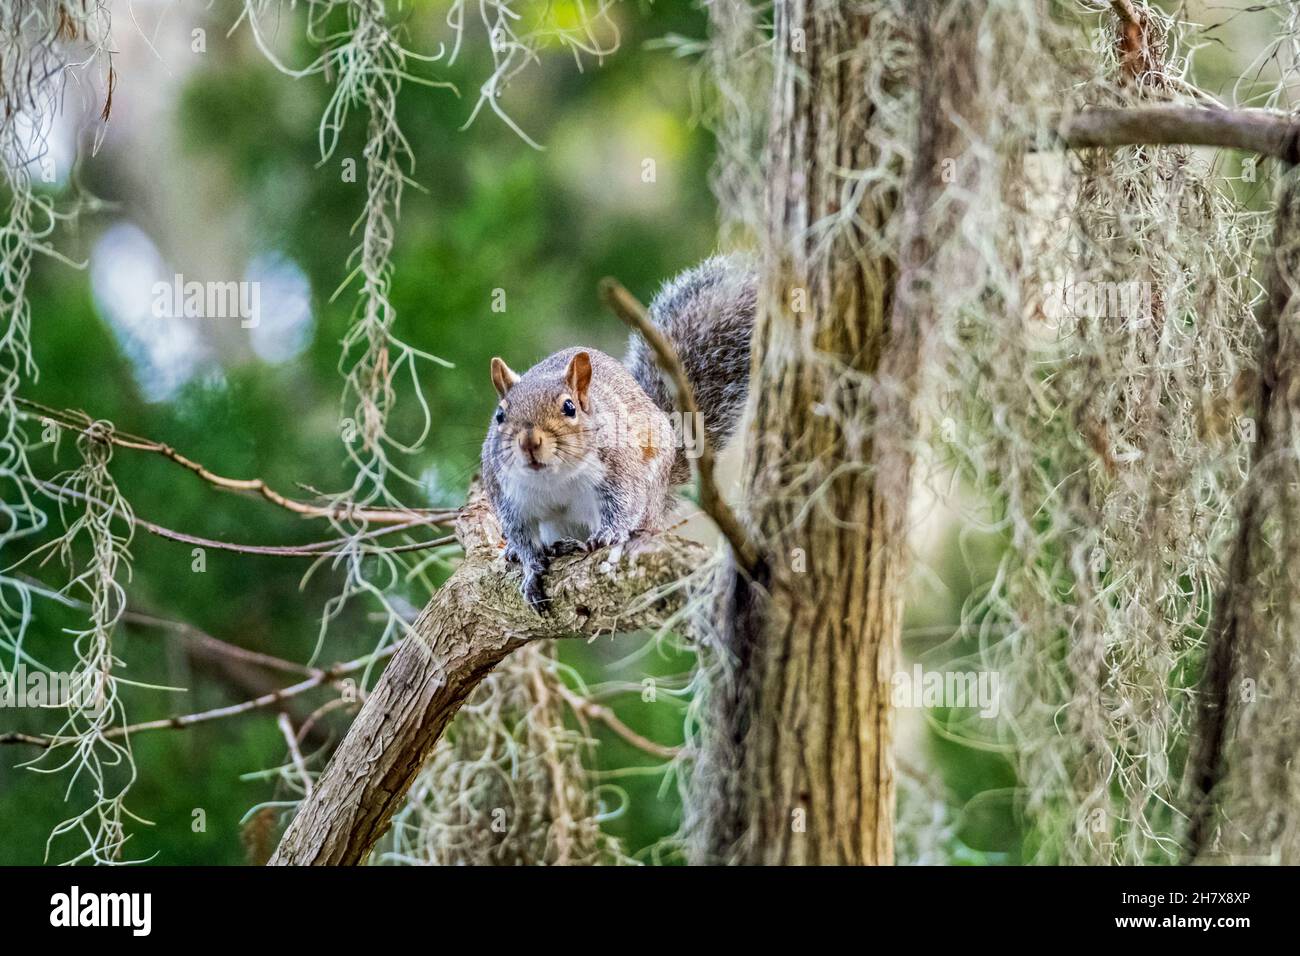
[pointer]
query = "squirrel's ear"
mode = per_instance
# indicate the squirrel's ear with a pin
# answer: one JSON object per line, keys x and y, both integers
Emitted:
{"x": 502, "y": 377}
{"x": 578, "y": 377}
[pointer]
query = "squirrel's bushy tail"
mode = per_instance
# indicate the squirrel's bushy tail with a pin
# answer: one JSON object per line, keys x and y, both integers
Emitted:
{"x": 707, "y": 312}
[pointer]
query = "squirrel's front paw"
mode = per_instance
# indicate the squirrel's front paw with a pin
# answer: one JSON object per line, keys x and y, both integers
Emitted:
{"x": 604, "y": 539}
{"x": 535, "y": 594}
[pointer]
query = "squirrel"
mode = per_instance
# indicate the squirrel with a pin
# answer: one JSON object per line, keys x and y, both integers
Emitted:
{"x": 584, "y": 451}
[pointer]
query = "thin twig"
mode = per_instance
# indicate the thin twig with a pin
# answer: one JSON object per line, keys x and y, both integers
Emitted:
{"x": 588, "y": 708}
{"x": 330, "y": 675}
{"x": 216, "y": 645}
{"x": 79, "y": 421}
{"x": 187, "y": 632}
{"x": 313, "y": 550}
{"x": 309, "y": 725}
{"x": 625, "y": 305}
{"x": 31, "y": 739}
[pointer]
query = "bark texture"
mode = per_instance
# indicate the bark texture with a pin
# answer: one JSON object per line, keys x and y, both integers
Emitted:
{"x": 470, "y": 625}
{"x": 799, "y": 768}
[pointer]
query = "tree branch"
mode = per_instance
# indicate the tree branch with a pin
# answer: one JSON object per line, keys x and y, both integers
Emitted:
{"x": 624, "y": 305}
{"x": 469, "y": 626}
{"x": 1266, "y": 132}
{"x": 583, "y": 708}
{"x": 79, "y": 421}
{"x": 1125, "y": 10}
{"x": 199, "y": 639}
{"x": 313, "y": 550}
{"x": 329, "y": 676}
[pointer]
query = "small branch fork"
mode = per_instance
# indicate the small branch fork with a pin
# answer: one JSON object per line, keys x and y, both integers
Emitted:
{"x": 390, "y": 520}
{"x": 585, "y": 709}
{"x": 199, "y": 639}
{"x": 625, "y": 305}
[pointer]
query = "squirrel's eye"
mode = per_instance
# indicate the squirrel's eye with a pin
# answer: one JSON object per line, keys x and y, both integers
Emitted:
{"x": 501, "y": 416}
{"x": 568, "y": 408}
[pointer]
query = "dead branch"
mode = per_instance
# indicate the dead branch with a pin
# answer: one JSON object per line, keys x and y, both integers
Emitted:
{"x": 469, "y": 626}
{"x": 625, "y": 305}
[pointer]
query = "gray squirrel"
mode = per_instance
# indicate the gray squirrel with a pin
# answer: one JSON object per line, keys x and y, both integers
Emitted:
{"x": 584, "y": 451}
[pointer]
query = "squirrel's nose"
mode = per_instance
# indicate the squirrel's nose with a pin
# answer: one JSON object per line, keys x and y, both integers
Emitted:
{"x": 530, "y": 440}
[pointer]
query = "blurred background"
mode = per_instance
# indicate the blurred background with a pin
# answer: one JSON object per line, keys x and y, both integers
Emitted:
{"x": 210, "y": 168}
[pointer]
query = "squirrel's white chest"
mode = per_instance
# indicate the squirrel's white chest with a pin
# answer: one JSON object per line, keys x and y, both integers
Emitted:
{"x": 558, "y": 507}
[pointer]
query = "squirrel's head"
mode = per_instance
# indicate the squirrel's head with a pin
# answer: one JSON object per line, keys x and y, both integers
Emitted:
{"x": 542, "y": 423}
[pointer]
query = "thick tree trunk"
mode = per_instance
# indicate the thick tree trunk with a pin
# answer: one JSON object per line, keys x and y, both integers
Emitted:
{"x": 799, "y": 769}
